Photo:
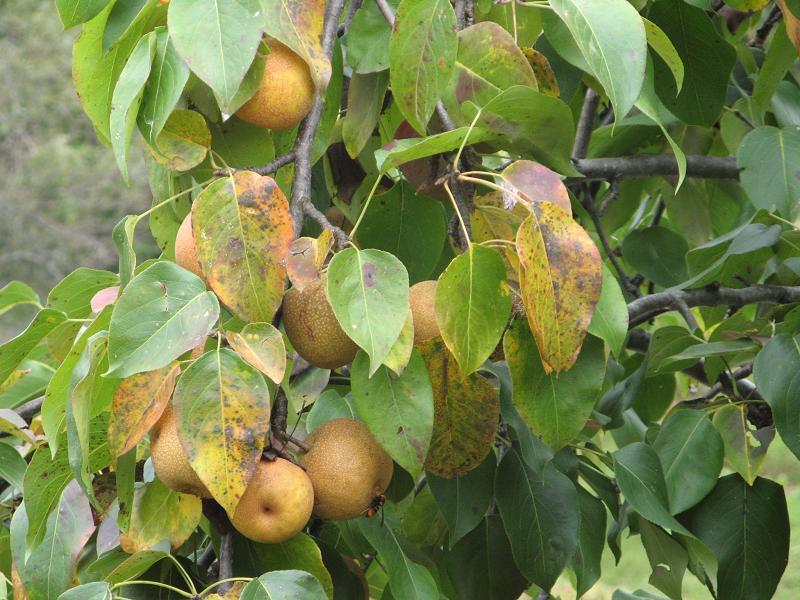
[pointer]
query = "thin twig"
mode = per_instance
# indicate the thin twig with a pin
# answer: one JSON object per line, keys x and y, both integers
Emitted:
{"x": 583, "y": 132}
{"x": 273, "y": 166}
{"x": 225, "y": 561}
{"x": 387, "y": 11}
{"x": 611, "y": 195}
{"x": 301, "y": 188}
{"x": 763, "y": 31}
{"x": 650, "y": 165}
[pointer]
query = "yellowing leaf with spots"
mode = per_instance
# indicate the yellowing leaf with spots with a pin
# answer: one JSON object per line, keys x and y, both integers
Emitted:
{"x": 529, "y": 182}
{"x": 222, "y": 410}
{"x": 243, "y": 229}
{"x": 560, "y": 281}
{"x": 492, "y": 221}
{"x": 137, "y": 405}
{"x": 261, "y": 345}
{"x": 472, "y": 305}
{"x": 306, "y": 257}
{"x": 160, "y": 513}
{"x": 466, "y": 413}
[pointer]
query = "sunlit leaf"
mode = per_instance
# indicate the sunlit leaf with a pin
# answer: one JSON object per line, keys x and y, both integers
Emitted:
{"x": 222, "y": 408}
{"x": 745, "y": 446}
{"x": 243, "y": 231}
{"x": 183, "y": 141}
{"x": 261, "y": 345}
{"x": 529, "y": 182}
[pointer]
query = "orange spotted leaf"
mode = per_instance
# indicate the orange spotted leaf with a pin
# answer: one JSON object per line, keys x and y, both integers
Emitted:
{"x": 560, "y": 281}
{"x": 137, "y": 405}
{"x": 222, "y": 408}
{"x": 243, "y": 230}
{"x": 306, "y": 258}
{"x": 529, "y": 182}
{"x": 466, "y": 412}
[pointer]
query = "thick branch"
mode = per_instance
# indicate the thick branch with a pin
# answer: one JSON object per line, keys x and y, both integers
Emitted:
{"x": 650, "y": 165}
{"x": 644, "y": 309}
{"x": 301, "y": 188}
{"x": 30, "y": 409}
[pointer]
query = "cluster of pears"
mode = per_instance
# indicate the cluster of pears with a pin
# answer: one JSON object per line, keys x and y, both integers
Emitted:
{"x": 343, "y": 473}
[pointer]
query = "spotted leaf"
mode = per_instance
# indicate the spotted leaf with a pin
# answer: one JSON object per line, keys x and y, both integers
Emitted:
{"x": 527, "y": 182}
{"x": 243, "y": 230}
{"x": 261, "y": 345}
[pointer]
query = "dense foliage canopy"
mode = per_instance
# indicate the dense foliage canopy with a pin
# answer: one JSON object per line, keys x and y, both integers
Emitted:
{"x": 509, "y": 281}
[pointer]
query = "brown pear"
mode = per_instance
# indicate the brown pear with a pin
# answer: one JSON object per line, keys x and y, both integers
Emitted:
{"x": 169, "y": 459}
{"x": 313, "y": 330}
{"x": 276, "y": 504}
{"x": 186, "y": 249}
{"x": 422, "y": 297}
{"x": 350, "y": 471}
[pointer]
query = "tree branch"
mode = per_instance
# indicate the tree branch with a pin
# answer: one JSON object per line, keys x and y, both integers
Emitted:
{"x": 583, "y": 132}
{"x": 650, "y": 165}
{"x": 301, "y": 188}
{"x": 271, "y": 167}
{"x": 644, "y": 309}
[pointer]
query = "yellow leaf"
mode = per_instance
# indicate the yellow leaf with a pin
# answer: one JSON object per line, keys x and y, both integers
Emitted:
{"x": 560, "y": 280}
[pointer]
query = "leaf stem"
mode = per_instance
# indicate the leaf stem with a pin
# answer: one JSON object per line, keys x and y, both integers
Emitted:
{"x": 223, "y": 581}
{"x": 364, "y": 210}
{"x": 184, "y": 574}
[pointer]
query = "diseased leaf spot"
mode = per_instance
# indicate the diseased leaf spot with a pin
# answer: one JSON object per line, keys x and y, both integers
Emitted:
{"x": 370, "y": 274}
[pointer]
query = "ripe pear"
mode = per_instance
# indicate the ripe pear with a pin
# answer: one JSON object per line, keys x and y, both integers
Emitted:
{"x": 422, "y": 298}
{"x": 348, "y": 468}
{"x": 276, "y": 504}
{"x": 285, "y": 94}
{"x": 313, "y": 330}
{"x": 169, "y": 459}
{"x": 186, "y": 249}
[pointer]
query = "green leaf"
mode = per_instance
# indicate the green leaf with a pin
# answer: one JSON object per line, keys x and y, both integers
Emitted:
{"x": 481, "y": 565}
{"x": 410, "y": 226}
{"x": 47, "y": 569}
{"x": 12, "y": 466}
{"x": 299, "y": 552}
{"x": 368, "y": 291}
{"x": 328, "y": 131}
{"x": 641, "y": 480}
{"x": 540, "y": 515}
{"x": 610, "y": 319}
{"x": 127, "y": 99}
{"x": 222, "y": 407}
{"x": 284, "y": 585}
{"x": 164, "y": 86}
{"x": 466, "y": 412}
{"x": 555, "y": 406}
{"x": 218, "y": 39}
{"x": 397, "y": 410}
{"x": 123, "y": 17}
{"x": 17, "y": 349}
{"x": 364, "y": 103}
{"x": 15, "y": 293}
{"x": 160, "y": 513}
{"x": 406, "y": 150}
{"x": 261, "y": 345}
{"x": 368, "y": 39}
{"x": 97, "y": 590}
{"x": 745, "y": 446}
{"x": 777, "y": 377}
{"x": 465, "y": 500}
{"x": 95, "y": 68}
{"x": 75, "y": 12}
{"x": 707, "y": 57}
{"x": 657, "y": 253}
{"x": 60, "y": 386}
{"x": 243, "y": 231}
{"x": 591, "y": 537}
{"x": 668, "y": 559}
{"x": 769, "y": 159}
{"x": 530, "y": 123}
{"x": 118, "y": 566}
{"x": 162, "y": 313}
{"x": 662, "y": 46}
{"x": 241, "y": 144}
{"x": 422, "y": 53}
{"x": 73, "y": 294}
{"x": 612, "y": 39}
{"x": 47, "y": 476}
{"x": 747, "y": 529}
{"x": 779, "y": 58}
{"x": 407, "y": 579}
{"x": 691, "y": 453}
{"x": 330, "y": 405}
{"x": 183, "y": 141}
{"x": 472, "y": 305}
{"x": 123, "y": 236}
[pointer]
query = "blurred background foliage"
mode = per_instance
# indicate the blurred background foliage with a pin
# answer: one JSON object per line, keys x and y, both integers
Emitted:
{"x": 61, "y": 193}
